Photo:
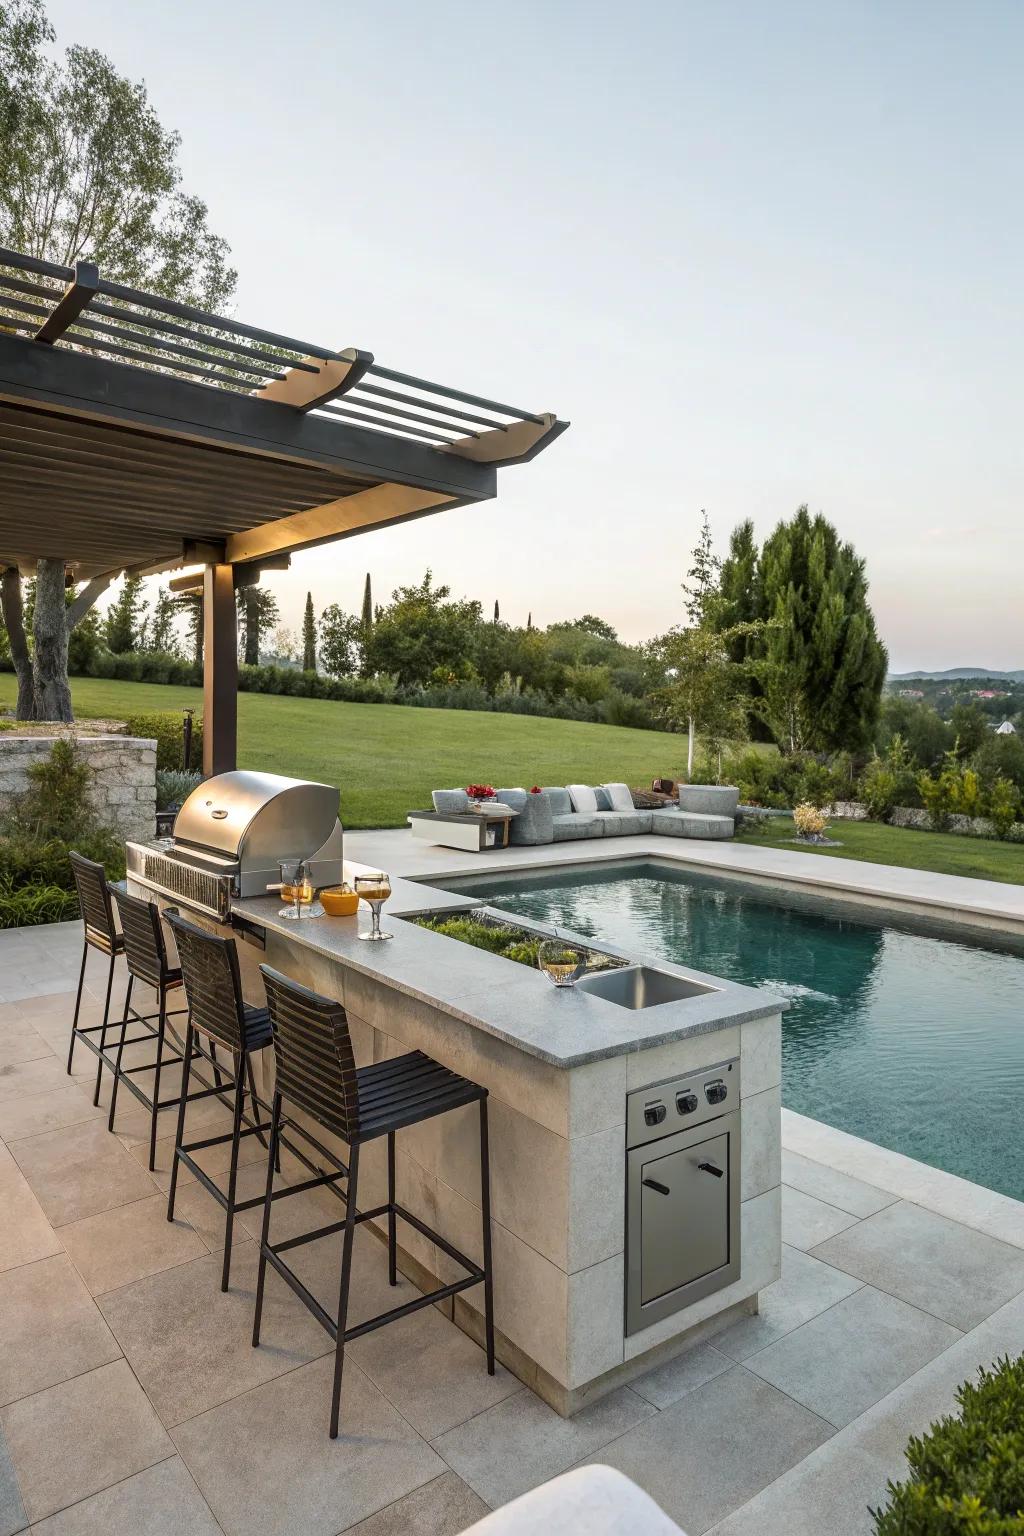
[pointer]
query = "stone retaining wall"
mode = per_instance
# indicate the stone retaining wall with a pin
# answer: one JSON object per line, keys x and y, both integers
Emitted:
{"x": 123, "y": 776}
{"x": 916, "y": 816}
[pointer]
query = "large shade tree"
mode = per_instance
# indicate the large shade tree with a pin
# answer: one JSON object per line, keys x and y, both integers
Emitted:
{"x": 87, "y": 171}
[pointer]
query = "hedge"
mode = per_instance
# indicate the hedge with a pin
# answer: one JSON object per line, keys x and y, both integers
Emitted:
{"x": 967, "y": 1473}
{"x": 165, "y": 727}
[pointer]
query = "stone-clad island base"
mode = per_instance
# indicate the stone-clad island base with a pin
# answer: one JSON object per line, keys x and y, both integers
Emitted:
{"x": 558, "y": 1066}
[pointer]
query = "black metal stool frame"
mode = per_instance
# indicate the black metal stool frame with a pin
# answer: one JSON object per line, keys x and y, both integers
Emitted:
{"x": 146, "y": 956}
{"x": 99, "y": 934}
{"x": 270, "y": 1253}
{"x": 216, "y": 997}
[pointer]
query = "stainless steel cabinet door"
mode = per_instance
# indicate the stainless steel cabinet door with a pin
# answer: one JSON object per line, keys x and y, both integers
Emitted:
{"x": 684, "y": 1215}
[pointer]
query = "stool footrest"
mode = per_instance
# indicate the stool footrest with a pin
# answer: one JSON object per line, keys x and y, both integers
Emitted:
{"x": 272, "y": 1253}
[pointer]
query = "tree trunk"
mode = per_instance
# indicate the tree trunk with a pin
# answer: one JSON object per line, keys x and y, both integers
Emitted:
{"x": 689, "y": 747}
{"x": 50, "y": 631}
{"x": 252, "y": 633}
{"x": 14, "y": 621}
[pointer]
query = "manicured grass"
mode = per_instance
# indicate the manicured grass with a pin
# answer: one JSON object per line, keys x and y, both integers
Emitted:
{"x": 387, "y": 758}
{"x": 875, "y": 843}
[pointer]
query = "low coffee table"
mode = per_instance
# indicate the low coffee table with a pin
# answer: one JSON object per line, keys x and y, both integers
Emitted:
{"x": 468, "y": 830}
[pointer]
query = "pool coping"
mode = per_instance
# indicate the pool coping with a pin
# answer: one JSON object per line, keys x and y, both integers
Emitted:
{"x": 946, "y": 1194}
{"x": 986, "y": 904}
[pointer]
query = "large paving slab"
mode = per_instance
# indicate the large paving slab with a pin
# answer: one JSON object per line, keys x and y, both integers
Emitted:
{"x": 716, "y": 1447}
{"x": 50, "y": 1328}
{"x": 75, "y": 1439}
{"x": 844, "y": 1360}
{"x": 948, "y": 1269}
{"x": 266, "y": 1467}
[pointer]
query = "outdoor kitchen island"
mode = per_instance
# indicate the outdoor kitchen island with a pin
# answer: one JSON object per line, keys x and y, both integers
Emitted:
{"x": 585, "y": 1296}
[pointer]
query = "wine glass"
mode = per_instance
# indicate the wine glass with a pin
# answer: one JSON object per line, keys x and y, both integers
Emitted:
{"x": 292, "y": 874}
{"x": 297, "y": 887}
{"x": 561, "y": 963}
{"x": 374, "y": 889}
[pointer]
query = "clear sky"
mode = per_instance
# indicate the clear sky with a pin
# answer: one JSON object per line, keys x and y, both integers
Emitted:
{"x": 759, "y": 252}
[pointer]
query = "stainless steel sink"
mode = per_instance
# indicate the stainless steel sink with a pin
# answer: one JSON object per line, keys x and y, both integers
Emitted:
{"x": 640, "y": 986}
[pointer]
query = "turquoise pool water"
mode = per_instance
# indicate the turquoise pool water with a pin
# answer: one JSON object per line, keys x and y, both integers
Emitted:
{"x": 908, "y": 1033}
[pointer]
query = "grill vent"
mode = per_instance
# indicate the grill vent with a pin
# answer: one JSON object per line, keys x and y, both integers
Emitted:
{"x": 212, "y": 892}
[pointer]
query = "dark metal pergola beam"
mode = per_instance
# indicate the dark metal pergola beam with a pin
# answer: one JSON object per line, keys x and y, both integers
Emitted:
{"x": 80, "y": 292}
{"x": 138, "y": 433}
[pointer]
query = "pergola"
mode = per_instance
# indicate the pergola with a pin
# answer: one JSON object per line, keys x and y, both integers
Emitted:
{"x": 141, "y": 435}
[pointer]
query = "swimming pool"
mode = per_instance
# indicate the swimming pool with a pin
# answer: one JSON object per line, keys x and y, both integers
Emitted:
{"x": 904, "y": 1031}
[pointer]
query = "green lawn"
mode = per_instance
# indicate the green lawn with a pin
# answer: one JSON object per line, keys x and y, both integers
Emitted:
{"x": 387, "y": 758}
{"x": 875, "y": 843}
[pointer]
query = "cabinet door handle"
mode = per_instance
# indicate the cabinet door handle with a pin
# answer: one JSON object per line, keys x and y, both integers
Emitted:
{"x": 662, "y": 1189}
{"x": 710, "y": 1168}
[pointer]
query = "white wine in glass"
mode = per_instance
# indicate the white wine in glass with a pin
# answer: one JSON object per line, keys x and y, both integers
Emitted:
{"x": 560, "y": 963}
{"x": 374, "y": 889}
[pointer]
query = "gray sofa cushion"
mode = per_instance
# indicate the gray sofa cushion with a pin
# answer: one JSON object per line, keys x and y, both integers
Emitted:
{"x": 515, "y": 799}
{"x": 533, "y": 824}
{"x": 625, "y": 823}
{"x": 559, "y": 799}
{"x": 576, "y": 825}
{"x": 709, "y": 799}
{"x": 450, "y": 802}
{"x": 604, "y": 799}
{"x": 687, "y": 824}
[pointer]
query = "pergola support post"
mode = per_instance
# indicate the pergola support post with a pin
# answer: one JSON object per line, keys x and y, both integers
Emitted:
{"x": 220, "y": 671}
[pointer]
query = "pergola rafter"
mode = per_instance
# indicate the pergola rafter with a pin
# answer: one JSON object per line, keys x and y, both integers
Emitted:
{"x": 139, "y": 433}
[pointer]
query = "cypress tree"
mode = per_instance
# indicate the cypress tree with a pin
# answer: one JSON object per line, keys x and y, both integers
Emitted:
{"x": 821, "y": 663}
{"x": 367, "y": 615}
{"x": 497, "y": 612}
{"x": 309, "y": 636}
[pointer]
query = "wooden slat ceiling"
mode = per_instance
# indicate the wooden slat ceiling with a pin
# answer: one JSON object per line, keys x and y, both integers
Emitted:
{"x": 100, "y": 496}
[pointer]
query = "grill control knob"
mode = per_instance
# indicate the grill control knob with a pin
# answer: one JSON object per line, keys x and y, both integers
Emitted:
{"x": 686, "y": 1103}
{"x": 715, "y": 1092}
{"x": 654, "y": 1114}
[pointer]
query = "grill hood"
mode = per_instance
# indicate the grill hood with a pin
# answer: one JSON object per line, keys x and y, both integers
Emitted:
{"x": 230, "y": 835}
{"x": 257, "y": 818}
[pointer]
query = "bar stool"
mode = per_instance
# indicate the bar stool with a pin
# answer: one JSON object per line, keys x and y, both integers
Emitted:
{"x": 217, "y": 1010}
{"x": 146, "y": 957}
{"x": 100, "y": 933}
{"x": 316, "y": 1073}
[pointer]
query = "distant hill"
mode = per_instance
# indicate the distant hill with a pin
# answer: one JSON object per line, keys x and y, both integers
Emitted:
{"x": 953, "y": 673}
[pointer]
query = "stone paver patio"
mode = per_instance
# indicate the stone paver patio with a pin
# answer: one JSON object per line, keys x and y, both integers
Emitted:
{"x": 131, "y": 1400}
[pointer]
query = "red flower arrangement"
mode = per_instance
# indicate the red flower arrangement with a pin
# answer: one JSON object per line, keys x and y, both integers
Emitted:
{"x": 536, "y": 790}
{"x": 480, "y": 791}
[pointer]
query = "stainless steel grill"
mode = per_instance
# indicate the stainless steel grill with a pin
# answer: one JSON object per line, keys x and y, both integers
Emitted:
{"x": 230, "y": 834}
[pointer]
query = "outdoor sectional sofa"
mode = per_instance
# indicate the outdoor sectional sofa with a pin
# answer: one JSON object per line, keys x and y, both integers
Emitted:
{"x": 553, "y": 815}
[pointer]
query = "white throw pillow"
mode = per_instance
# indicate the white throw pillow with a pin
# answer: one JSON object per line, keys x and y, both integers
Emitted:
{"x": 583, "y": 798}
{"x": 619, "y": 796}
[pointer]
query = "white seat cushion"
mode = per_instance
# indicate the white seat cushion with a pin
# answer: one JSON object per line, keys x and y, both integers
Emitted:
{"x": 619, "y": 796}
{"x": 592, "y": 1501}
{"x": 583, "y": 798}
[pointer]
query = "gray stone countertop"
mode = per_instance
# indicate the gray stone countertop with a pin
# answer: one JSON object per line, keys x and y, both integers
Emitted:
{"x": 564, "y": 1026}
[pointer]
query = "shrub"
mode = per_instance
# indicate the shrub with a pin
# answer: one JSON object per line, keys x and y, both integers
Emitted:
{"x": 968, "y": 793}
{"x": 52, "y": 816}
{"x": 819, "y": 785}
{"x": 1003, "y": 807}
{"x": 809, "y": 820}
{"x": 173, "y": 787}
{"x": 877, "y": 789}
{"x": 625, "y": 709}
{"x": 23, "y": 906}
{"x": 940, "y": 796}
{"x": 165, "y": 727}
{"x": 966, "y": 1473}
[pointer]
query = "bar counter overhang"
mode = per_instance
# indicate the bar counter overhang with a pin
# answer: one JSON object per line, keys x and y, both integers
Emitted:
{"x": 558, "y": 1066}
